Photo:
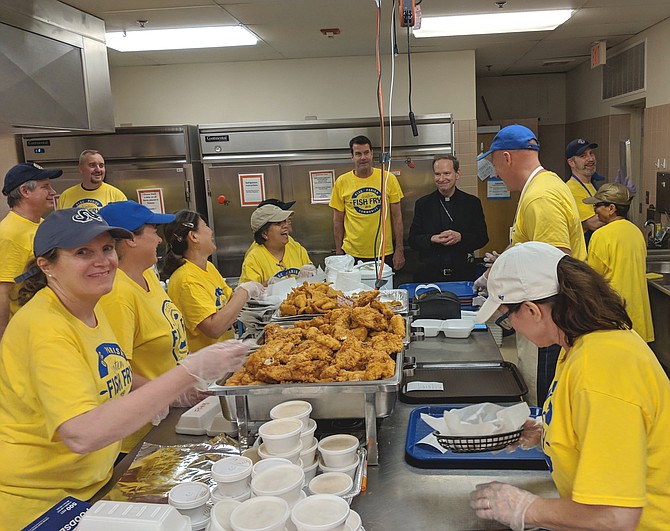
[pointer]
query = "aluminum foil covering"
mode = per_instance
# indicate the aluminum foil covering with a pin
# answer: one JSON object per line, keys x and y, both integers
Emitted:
{"x": 156, "y": 469}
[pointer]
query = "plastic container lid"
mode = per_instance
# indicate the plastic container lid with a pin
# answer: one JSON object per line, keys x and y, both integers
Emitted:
{"x": 353, "y": 522}
{"x": 337, "y": 483}
{"x": 189, "y": 495}
{"x": 369, "y": 270}
{"x": 320, "y": 512}
{"x": 263, "y": 513}
{"x": 266, "y": 464}
{"x": 231, "y": 469}
{"x": 220, "y": 514}
{"x": 278, "y": 480}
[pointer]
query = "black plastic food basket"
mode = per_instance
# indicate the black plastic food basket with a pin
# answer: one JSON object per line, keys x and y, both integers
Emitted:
{"x": 483, "y": 443}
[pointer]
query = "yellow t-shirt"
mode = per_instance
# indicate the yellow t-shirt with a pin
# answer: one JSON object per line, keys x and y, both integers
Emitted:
{"x": 582, "y": 191}
{"x": 16, "y": 249}
{"x": 360, "y": 200}
{"x": 52, "y": 368}
{"x": 607, "y": 426}
{"x": 199, "y": 294}
{"x": 150, "y": 329}
{"x": 547, "y": 213}
{"x": 77, "y": 196}
{"x": 618, "y": 252}
{"x": 259, "y": 264}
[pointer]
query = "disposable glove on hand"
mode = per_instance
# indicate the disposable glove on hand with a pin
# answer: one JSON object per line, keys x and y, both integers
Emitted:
{"x": 306, "y": 271}
{"x": 480, "y": 286}
{"x": 627, "y": 183}
{"x": 254, "y": 289}
{"x": 502, "y": 502}
{"x": 489, "y": 258}
{"x": 190, "y": 398}
{"x": 531, "y": 436}
{"x": 160, "y": 416}
{"x": 211, "y": 363}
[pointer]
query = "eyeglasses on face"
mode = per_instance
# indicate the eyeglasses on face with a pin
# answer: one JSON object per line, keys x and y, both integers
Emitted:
{"x": 504, "y": 321}
{"x": 601, "y": 204}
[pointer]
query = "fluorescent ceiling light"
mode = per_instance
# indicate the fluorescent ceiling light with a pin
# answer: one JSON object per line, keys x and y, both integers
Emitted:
{"x": 510, "y": 22}
{"x": 179, "y": 38}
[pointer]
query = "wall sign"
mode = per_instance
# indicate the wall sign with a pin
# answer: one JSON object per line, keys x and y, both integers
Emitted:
{"x": 496, "y": 189}
{"x": 152, "y": 198}
{"x": 252, "y": 188}
{"x": 321, "y": 185}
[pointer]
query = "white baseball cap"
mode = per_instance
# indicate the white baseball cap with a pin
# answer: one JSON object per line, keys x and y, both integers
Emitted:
{"x": 525, "y": 272}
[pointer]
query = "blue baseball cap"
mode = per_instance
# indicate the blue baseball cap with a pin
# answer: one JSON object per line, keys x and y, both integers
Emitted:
{"x": 511, "y": 138}
{"x": 71, "y": 227}
{"x": 131, "y": 215}
{"x": 24, "y": 172}
{"x": 577, "y": 147}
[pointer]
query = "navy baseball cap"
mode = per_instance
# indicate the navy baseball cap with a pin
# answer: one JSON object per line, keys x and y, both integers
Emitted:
{"x": 24, "y": 172}
{"x": 577, "y": 147}
{"x": 277, "y": 202}
{"x": 511, "y": 138}
{"x": 131, "y": 215}
{"x": 71, "y": 227}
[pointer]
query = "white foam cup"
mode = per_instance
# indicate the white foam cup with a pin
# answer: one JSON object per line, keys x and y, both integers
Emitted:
{"x": 349, "y": 469}
{"x": 219, "y": 519}
{"x": 281, "y": 435}
{"x": 297, "y": 409}
{"x": 338, "y": 450}
{"x": 190, "y": 499}
{"x": 308, "y": 453}
{"x": 337, "y": 483}
{"x": 232, "y": 475}
{"x": 308, "y": 434}
{"x": 263, "y": 513}
{"x": 293, "y": 455}
{"x": 266, "y": 464}
{"x": 321, "y": 512}
{"x": 285, "y": 481}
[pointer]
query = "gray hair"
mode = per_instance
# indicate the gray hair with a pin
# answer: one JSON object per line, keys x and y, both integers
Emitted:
{"x": 14, "y": 197}
{"x": 86, "y": 153}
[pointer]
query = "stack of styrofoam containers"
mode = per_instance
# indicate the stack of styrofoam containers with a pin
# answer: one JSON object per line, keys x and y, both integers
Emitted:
{"x": 281, "y": 438}
{"x": 301, "y": 410}
{"x": 232, "y": 476}
{"x": 190, "y": 499}
{"x": 339, "y": 453}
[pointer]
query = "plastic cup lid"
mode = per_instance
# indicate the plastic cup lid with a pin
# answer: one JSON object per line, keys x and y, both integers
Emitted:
{"x": 262, "y": 512}
{"x": 222, "y": 510}
{"x": 188, "y": 495}
{"x": 320, "y": 511}
{"x": 231, "y": 469}
{"x": 278, "y": 480}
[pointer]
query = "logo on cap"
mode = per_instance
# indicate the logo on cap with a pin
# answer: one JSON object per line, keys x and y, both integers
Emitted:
{"x": 84, "y": 216}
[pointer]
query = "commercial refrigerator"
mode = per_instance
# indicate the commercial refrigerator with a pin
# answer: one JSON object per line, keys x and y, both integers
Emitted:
{"x": 157, "y": 166}
{"x": 292, "y": 161}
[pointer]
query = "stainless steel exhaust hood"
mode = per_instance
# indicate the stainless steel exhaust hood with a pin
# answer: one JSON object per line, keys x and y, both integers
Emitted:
{"x": 55, "y": 75}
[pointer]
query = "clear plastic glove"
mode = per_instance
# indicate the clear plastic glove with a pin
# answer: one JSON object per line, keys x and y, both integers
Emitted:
{"x": 489, "y": 258}
{"x": 531, "y": 436}
{"x": 160, "y": 416}
{"x": 190, "y": 398}
{"x": 306, "y": 271}
{"x": 211, "y": 363}
{"x": 502, "y": 502}
{"x": 480, "y": 286}
{"x": 254, "y": 289}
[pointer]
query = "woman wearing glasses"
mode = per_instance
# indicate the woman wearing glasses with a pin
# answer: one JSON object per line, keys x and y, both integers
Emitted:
{"x": 618, "y": 252}
{"x": 276, "y": 256}
{"x": 607, "y": 415}
{"x": 208, "y": 304}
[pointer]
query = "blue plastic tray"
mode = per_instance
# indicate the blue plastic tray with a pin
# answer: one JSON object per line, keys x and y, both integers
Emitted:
{"x": 463, "y": 289}
{"x": 423, "y": 456}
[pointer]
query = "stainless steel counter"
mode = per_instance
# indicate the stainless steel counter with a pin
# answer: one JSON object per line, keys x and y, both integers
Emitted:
{"x": 399, "y": 496}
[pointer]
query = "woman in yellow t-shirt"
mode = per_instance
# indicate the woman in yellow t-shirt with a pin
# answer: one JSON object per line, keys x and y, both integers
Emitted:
{"x": 606, "y": 419}
{"x": 66, "y": 386}
{"x": 207, "y": 303}
{"x": 277, "y": 256}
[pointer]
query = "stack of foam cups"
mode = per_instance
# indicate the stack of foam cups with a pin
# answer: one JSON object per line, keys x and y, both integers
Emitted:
{"x": 300, "y": 410}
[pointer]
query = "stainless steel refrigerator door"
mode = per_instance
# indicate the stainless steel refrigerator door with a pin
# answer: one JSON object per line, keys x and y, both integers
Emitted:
{"x": 229, "y": 219}
{"x": 174, "y": 180}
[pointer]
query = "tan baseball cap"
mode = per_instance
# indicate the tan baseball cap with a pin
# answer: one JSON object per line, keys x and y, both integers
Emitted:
{"x": 268, "y": 214}
{"x": 617, "y": 194}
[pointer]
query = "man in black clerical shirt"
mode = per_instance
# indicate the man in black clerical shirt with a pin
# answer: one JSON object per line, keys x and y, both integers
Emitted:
{"x": 448, "y": 227}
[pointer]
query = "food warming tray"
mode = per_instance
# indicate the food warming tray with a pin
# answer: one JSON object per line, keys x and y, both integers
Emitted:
{"x": 462, "y": 383}
{"x": 423, "y": 456}
{"x": 370, "y": 399}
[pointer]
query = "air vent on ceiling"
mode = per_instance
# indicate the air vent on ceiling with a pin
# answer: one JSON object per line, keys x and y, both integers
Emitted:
{"x": 624, "y": 72}
{"x": 557, "y": 62}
